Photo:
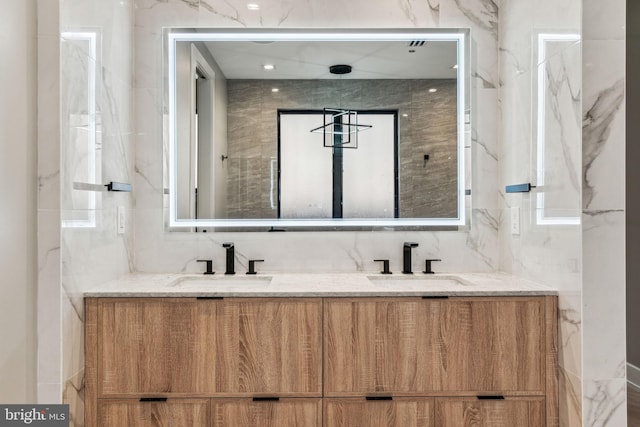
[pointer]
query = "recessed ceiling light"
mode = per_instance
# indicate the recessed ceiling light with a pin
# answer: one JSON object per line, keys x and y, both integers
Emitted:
{"x": 405, "y": 115}
{"x": 253, "y": 6}
{"x": 269, "y": 67}
{"x": 455, "y": 67}
{"x": 275, "y": 89}
{"x": 433, "y": 89}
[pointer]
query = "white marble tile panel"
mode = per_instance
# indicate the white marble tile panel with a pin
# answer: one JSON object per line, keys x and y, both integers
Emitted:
{"x": 603, "y": 294}
{"x": 570, "y": 331}
{"x": 72, "y": 339}
{"x": 558, "y": 149}
{"x": 331, "y": 13}
{"x": 570, "y": 399}
{"x": 603, "y": 125}
{"x": 485, "y": 150}
{"x": 558, "y": 16}
{"x": 316, "y": 252}
{"x": 482, "y": 18}
{"x": 152, "y": 15}
{"x": 149, "y": 149}
{"x": 604, "y": 403}
{"x": 148, "y": 61}
{"x": 515, "y": 43}
{"x": 603, "y": 20}
{"x": 516, "y": 132}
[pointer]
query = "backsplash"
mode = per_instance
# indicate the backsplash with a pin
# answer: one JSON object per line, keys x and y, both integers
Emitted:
{"x": 159, "y": 251}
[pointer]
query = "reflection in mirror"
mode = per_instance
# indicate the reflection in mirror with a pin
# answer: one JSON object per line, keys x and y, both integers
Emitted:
{"x": 291, "y": 128}
{"x": 80, "y": 128}
{"x": 557, "y": 163}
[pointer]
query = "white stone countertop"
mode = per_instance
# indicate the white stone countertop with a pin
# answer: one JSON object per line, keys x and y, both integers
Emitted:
{"x": 319, "y": 285}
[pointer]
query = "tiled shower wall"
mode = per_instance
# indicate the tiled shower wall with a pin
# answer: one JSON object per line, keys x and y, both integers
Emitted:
{"x": 426, "y": 122}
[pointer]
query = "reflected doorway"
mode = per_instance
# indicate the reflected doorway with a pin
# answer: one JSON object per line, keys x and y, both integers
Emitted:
{"x": 315, "y": 181}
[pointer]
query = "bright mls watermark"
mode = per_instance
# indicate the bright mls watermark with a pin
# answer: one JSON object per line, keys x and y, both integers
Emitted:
{"x": 34, "y": 415}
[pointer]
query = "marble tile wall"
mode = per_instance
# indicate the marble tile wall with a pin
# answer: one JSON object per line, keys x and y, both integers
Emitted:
{"x": 470, "y": 250}
{"x": 91, "y": 46}
{"x": 540, "y": 99}
{"x": 580, "y": 260}
{"x": 603, "y": 213}
{"x": 426, "y": 189}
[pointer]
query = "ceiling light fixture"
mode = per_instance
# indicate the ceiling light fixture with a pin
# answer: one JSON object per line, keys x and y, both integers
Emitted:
{"x": 455, "y": 66}
{"x": 341, "y": 128}
{"x": 253, "y": 6}
{"x": 269, "y": 67}
{"x": 432, "y": 90}
{"x": 275, "y": 89}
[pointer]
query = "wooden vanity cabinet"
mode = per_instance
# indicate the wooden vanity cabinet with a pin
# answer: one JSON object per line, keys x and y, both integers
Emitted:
{"x": 473, "y": 412}
{"x": 395, "y": 412}
{"x": 188, "y": 347}
{"x": 375, "y": 362}
{"x": 493, "y": 347}
{"x": 172, "y": 412}
{"x": 414, "y": 346}
{"x": 294, "y": 412}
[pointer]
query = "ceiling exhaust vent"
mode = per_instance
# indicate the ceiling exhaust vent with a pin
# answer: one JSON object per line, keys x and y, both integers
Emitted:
{"x": 417, "y": 43}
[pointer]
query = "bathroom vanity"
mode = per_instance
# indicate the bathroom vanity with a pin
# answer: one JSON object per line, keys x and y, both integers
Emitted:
{"x": 321, "y": 350}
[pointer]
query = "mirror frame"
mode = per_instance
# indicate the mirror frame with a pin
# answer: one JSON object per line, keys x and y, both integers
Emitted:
{"x": 175, "y": 35}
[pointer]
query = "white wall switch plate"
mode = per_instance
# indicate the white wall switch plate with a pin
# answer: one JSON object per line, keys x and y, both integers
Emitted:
{"x": 120, "y": 219}
{"x": 515, "y": 221}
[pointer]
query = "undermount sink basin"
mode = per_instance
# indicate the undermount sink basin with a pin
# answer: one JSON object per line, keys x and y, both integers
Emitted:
{"x": 214, "y": 280}
{"x": 417, "y": 280}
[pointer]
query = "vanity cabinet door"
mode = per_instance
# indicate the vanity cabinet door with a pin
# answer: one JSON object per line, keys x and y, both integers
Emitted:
{"x": 359, "y": 412}
{"x": 230, "y": 347}
{"x": 172, "y": 413}
{"x": 472, "y": 412}
{"x": 264, "y": 346}
{"x": 146, "y": 346}
{"x": 411, "y": 346}
{"x": 283, "y": 413}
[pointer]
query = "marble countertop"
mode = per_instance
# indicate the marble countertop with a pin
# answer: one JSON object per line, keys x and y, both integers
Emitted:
{"x": 319, "y": 285}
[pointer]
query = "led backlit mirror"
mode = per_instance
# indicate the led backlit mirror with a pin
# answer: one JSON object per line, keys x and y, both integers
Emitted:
{"x": 316, "y": 128}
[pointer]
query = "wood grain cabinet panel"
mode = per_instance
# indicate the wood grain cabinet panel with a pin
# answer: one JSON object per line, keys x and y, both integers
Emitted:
{"x": 172, "y": 413}
{"x": 235, "y": 347}
{"x": 359, "y": 412}
{"x": 471, "y": 412}
{"x": 283, "y": 413}
{"x": 409, "y": 346}
{"x": 321, "y": 357}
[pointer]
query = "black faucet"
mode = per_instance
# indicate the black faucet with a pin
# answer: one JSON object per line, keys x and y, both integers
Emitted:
{"x": 406, "y": 257}
{"x": 209, "y": 269}
{"x": 231, "y": 255}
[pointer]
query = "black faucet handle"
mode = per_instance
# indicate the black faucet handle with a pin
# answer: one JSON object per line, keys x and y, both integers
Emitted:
{"x": 252, "y": 265}
{"x": 227, "y": 245}
{"x": 209, "y": 269}
{"x": 427, "y": 265}
{"x": 385, "y": 265}
{"x": 411, "y": 245}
